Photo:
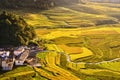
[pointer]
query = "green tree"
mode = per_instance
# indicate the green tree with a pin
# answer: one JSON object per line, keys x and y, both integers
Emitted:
{"x": 14, "y": 30}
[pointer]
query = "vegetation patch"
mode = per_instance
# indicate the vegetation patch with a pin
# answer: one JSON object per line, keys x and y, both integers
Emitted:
{"x": 71, "y": 50}
{"x": 18, "y": 73}
{"x": 14, "y": 30}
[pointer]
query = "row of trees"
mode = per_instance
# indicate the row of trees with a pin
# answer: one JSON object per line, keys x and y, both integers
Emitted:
{"x": 14, "y": 30}
{"x": 107, "y": 1}
{"x": 68, "y": 2}
{"x": 42, "y": 4}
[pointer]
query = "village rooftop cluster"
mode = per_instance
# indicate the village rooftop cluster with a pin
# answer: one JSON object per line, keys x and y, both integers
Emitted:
{"x": 17, "y": 56}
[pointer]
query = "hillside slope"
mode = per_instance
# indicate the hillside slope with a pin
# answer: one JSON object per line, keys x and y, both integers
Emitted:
{"x": 38, "y": 4}
{"x": 76, "y": 15}
{"x": 107, "y": 1}
{"x": 72, "y": 15}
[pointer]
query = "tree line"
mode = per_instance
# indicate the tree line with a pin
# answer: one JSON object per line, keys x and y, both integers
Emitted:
{"x": 41, "y": 4}
{"x": 107, "y": 1}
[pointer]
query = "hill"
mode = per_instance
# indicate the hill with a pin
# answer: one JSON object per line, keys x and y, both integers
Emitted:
{"x": 75, "y": 15}
{"x": 106, "y": 1}
{"x": 83, "y": 43}
{"x": 68, "y": 2}
{"x": 38, "y": 4}
{"x": 68, "y": 16}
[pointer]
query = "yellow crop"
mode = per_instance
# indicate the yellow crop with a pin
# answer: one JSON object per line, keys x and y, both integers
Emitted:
{"x": 86, "y": 52}
{"x": 69, "y": 50}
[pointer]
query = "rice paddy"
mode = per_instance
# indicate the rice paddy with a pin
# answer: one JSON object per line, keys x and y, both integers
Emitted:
{"x": 84, "y": 37}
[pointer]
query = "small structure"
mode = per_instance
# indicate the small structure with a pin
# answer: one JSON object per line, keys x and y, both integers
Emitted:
{"x": 19, "y": 50}
{"x": 20, "y": 59}
{"x": 6, "y": 60}
{"x": 18, "y": 56}
{"x": 33, "y": 62}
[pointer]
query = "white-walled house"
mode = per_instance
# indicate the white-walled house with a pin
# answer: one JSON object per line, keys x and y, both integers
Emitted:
{"x": 7, "y": 64}
{"x": 4, "y": 53}
{"x": 6, "y": 60}
{"x": 21, "y": 59}
{"x": 18, "y": 57}
{"x": 19, "y": 62}
{"x": 19, "y": 50}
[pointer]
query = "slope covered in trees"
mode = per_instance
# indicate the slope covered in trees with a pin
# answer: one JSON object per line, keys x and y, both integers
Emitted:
{"x": 65, "y": 2}
{"x": 14, "y": 30}
{"x": 107, "y": 1}
{"x": 39, "y": 4}
{"x": 42, "y": 4}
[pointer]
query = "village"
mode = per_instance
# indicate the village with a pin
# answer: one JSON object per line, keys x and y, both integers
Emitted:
{"x": 18, "y": 56}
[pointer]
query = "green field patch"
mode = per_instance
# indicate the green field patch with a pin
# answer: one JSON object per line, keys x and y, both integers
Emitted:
{"x": 114, "y": 66}
{"x": 41, "y": 55}
{"x": 100, "y": 72}
{"x": 19, "y": 72}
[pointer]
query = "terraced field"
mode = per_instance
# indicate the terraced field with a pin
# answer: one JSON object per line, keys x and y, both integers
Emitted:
{"x": 78, "y": 15}
{"x": 80, "y": 53}
{"x": 51, "y": 70}
{"x": 84, "y": 71}
{"x": 85, "y": 43}
{"x": 91, "y": 65}
{"x": 23, "y": 72}
{"x": 97, "y": 63}
{"x": 72, "y": 16}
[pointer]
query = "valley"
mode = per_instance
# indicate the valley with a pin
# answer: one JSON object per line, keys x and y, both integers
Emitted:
{"x": 73, "y": 44}
{"x": 82, "y": 43}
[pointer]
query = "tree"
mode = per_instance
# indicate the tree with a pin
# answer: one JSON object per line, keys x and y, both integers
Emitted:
{"x": 14, "y": 30}
{"x": 41, "y": 4}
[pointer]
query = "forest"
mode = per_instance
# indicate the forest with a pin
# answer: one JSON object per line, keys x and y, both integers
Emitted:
{"x": 39, "y": 4}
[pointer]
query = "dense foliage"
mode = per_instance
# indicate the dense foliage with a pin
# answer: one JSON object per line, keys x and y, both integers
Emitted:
{"x": 107, "y": 1}
{"x": 39, "y": 4}
{"x": 42, "y": 4}
{"x": 14, "y": 30}
{"x": 66, "y": 2}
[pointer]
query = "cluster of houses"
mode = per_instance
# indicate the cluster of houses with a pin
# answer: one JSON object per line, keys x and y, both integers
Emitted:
{"x": 16, "y": 57}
